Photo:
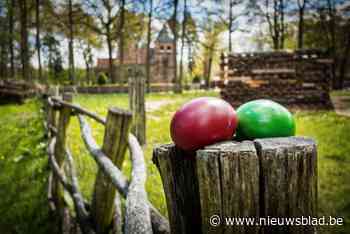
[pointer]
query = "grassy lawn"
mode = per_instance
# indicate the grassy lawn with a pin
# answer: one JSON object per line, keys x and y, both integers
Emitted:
{"x": 23, "y": 164}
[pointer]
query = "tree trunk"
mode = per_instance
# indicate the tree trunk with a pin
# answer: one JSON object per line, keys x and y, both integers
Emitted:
{"x": 121, "y": 41}
{"x": 110, "y": 56}
{"x": 301, "y": 28}
{"x": 182, "y": 47}
{"x": 281, "y": 24}
{"x": 276, "y": 39}
{"x": 230, "y": 23}
{"x": 24, "y": 39}
{"x": 343, "y": 66}
{"x": 38, "y": 42}
{"x": 148, "y": 59}
{"x": 71, "y": 69}
{"x": 210, "y": 63}
{"x": 176, "y": 86}
{"x": 11, "y": 5}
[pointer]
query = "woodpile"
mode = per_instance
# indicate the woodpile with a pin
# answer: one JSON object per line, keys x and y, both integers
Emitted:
{"x": 15, "y": 91}
{"x": 299, "y": 79}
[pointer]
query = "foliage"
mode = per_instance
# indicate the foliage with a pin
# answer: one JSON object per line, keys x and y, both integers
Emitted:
{"x": 102, "y": 79}
{"x": 23, "y": 171}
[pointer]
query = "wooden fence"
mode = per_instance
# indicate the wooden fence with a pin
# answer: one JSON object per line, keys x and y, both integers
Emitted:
{"x": 104, "y": 214}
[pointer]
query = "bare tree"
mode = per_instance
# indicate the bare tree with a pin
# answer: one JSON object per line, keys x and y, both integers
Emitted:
{"x": 274, "y": 16}
{"x": 301, "y": 11}
{"x": 106, "y": 15}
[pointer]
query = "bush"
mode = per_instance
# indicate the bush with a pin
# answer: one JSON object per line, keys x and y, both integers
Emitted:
{"x": 196, "y": 80}
{"x": 102, "y": 79}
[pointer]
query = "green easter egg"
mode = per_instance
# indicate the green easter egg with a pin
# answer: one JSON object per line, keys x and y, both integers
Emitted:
{"x": 264, "y": 118}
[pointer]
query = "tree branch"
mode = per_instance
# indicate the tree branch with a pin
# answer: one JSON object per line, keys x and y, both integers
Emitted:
{"x": 137, "y": 217}
{"x": 160, "y": 225}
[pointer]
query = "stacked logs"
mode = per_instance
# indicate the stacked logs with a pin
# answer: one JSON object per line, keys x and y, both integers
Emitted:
{"x": 15, "y": 91}
{"x": 299, "y": 79}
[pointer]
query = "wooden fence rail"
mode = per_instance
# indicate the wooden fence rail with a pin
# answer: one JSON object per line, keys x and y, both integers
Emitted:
{"x": 104, "y": 214}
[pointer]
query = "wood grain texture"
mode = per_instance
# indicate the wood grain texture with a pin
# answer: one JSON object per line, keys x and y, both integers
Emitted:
{"x": 179, "y": 177}
{"x": 114, "y": 146}
{"x": 288, "y": 181}
{"x": 137, "y": 214}
{"x": 137, "y": 105}
{"x": 228, "y": 175}
{"x": 274, "y": 177}
{"x": 59, "y": 153}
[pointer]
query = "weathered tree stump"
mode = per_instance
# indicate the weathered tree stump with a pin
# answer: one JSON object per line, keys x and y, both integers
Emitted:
{"x": 137, "y": 105}
{"x": 274, "y": 177}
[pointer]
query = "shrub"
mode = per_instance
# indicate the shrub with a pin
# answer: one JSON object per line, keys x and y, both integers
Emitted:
{"x": 196, "y": 79}
{"x": 102, "y": 79}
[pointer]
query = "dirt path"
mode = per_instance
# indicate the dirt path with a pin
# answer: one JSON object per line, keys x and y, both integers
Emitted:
{"x": 341, "y": 105}
{"x": 155, "y": 105}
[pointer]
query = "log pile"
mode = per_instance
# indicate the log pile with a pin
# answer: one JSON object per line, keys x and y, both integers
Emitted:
{"x": 15, "y": 91}
{"x": 300, "y": 79}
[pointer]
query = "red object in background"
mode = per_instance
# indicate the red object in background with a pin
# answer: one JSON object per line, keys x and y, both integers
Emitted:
{"x": 203, "y": 121}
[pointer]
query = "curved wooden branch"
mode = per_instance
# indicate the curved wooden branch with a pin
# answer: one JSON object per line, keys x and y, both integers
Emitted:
{"x": 137, "y": 216}
{"x": 72, "y": 189}
{"x": 104, "y": 163}
{"x": 79, "y": 110}
{"x": 160, "y": 225}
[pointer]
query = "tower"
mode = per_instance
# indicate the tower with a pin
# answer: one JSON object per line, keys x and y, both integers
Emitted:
{"x": 164, "y": 56}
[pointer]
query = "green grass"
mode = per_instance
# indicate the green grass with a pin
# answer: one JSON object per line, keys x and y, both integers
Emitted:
{"x": 23, "y": 171}
{"x": 24, "y": 178}
{"x": 340, "y": 93}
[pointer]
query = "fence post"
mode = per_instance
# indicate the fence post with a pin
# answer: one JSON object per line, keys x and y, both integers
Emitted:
{"x": 266, "y": 178}
{"x": 114, "y": 146}
{"x": 62, "y": 125}
{"x": 137, "y": 105}
{"x": 288, "y": 183}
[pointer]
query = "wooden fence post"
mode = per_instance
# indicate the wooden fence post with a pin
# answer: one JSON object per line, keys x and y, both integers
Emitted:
{"x": 60, "y": 147}
{"x": 137, "y": 105}
{"x": 114, "y": 146}
{"x": 288, "y": 183}
{"x": 266, "y": 178}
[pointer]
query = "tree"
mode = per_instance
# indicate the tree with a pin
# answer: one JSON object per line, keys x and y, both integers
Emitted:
{"x": 24, "y": 53}
{"x": 148, "y": 45}
{"x": 184, "y": 23}
{"x": 106, "y": 13}
{"x": 301, "y": 10}
{"x": 3, "y": 41}
{"x": 52, "y": 55}
{"x": 38, "y": 42}
{"x": 11, "y": 9}
{"x": 210, "y": 46}
{"x": 177, "y": 86}
{"x": 120, "y": 36}
{"x": 274, "y": 15}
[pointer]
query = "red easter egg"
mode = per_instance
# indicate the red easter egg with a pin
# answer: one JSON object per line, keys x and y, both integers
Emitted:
{"x": 203, "y": 121}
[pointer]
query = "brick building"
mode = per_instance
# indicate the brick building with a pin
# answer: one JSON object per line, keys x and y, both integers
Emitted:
{"x": 162, "y": 58}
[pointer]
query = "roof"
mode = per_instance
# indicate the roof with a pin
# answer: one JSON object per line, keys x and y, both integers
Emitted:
{"x": 165, "y": 36}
